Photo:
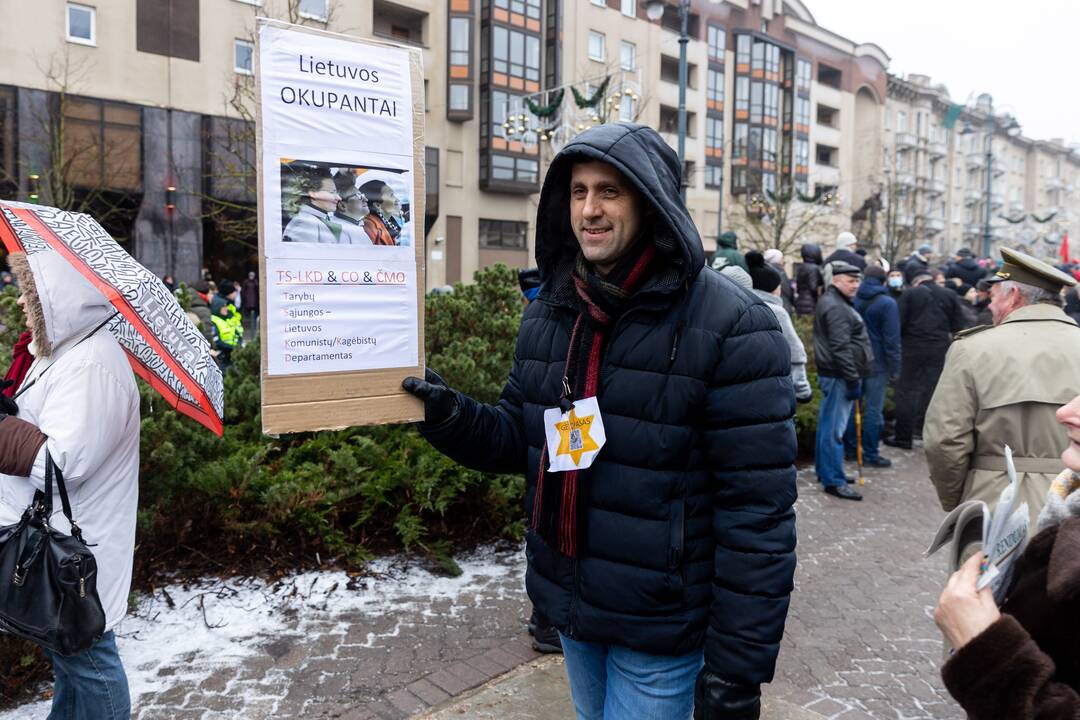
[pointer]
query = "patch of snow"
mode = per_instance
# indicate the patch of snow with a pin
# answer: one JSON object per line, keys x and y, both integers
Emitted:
{"x": 191, "y": 631}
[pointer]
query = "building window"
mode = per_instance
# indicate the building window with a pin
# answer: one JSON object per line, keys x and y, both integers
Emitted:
{"x": 740, "y": 141}
{"x": 827, "y": 155}
{"x": 460, "y": 32}
{"x": 742, "y": 95}
{"x": 715, "y": 92}
{"x": 714, "y": 176}
{"x": 828, "y": 75}
{"x": 243, "y": 57}
{"x": 802, "y": 156}
{"x": 81, "y": 22}
{"x": 459, "y": 98}
{"x": 628, "y": 55}
{"x": 392, "y": 21}
{"x": 503, "y": 234}
{"x": 803, "y": 74}
{"x": 717, "y": 42}
{"x": 102, "y": 144}
{"x": 313, "y": 9}
{"x": 742, "y": 50}
{"x": 168, "y": 27}
{"x": 757, "y": 58}
{"x": 768, "y": 152}
{"x": 629, "y": 8}
{"x": 627, "y": 108}
{"x": 757, "y": 99}
{"x": 772, "y": 101}
{"x": 714, "y": 135}
{"x": 600, "y": 3}
{"x": 596, "y": 46}
{"x": 802, "y": 111}
{"x": 516, "y": 54}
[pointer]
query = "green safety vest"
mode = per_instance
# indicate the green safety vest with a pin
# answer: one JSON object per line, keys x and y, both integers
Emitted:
{"x": 230, "y": 329}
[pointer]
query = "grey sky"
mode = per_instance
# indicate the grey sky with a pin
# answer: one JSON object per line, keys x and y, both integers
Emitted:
{"x": 1024, "y": 54}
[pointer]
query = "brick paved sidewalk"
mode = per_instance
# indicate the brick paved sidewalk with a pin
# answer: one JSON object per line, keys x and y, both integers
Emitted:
{"x": 860, "y": 641}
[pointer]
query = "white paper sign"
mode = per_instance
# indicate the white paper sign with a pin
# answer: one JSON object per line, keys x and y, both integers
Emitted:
{"x": 337, "y": 196}
{"x": 574, "y": 439}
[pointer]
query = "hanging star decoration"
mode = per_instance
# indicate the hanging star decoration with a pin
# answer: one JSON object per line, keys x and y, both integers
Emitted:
{"x": 574, "y": 438}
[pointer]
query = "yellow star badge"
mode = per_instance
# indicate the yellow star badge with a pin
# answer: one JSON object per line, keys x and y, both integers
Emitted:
{"x": 574, "y": 438}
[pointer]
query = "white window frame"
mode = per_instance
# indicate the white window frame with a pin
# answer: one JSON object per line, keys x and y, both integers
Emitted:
{"x": 92, "y": 40}
{"x": 623, "y": 45}
{"x": 256, "y": 3}
{"x": 313, "y": 16}
{"x": 603, "y": 46}
{"x": 239, "y": 70}
{"x": 599, "y": 3}
{"x": 630, "y": 5}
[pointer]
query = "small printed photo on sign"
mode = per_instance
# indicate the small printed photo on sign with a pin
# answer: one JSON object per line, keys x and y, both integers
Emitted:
{"x": 344, "y": 204}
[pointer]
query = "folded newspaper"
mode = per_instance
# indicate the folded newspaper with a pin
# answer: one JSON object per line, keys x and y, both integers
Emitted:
{"x": 1001, "y": 535}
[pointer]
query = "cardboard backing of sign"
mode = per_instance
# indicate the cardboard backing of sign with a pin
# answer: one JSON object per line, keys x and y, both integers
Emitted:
{"x": 332, "y": 401}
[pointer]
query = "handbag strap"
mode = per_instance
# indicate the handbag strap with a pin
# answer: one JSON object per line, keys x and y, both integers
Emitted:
{"x": 53, "y": 470}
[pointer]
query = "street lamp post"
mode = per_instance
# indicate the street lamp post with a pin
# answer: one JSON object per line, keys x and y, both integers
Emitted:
{"x": 993, "y": 123}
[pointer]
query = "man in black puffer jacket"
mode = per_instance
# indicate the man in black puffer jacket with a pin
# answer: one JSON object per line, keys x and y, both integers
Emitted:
{"x": 670, "y": 559}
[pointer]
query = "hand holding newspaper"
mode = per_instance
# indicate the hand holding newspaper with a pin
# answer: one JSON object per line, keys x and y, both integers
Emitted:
{"x": 1001, "y": 535}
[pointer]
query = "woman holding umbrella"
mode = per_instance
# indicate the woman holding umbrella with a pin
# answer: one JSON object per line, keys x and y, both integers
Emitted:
{"x": 79, "y": 403}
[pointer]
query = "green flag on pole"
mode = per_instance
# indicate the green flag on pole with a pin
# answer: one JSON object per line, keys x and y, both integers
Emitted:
{"x": 951, "y": 115}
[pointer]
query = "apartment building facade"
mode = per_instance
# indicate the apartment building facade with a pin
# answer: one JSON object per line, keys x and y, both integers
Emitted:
{"x": 939, "y": 186}
{"x": 162, "y": 89}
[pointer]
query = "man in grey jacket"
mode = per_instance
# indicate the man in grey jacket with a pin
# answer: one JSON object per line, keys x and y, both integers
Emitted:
{"x": 768, "y": 285}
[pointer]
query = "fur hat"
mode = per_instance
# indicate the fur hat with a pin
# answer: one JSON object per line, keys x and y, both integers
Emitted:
{"x": 764, "y": 276}
{"x": 845, "y": 240}
{"x": 20, "y": 266}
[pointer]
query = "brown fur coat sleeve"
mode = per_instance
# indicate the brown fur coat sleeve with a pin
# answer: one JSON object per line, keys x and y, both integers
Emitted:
{"x": 1003, "y": 675}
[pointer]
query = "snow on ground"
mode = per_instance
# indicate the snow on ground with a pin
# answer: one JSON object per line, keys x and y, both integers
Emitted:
{"x": 218, "y": 623}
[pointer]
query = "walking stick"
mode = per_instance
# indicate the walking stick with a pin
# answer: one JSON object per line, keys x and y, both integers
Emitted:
{"x": 858, "y": 440}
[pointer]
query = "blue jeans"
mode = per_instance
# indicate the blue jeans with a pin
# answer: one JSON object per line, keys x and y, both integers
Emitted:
{"x": 610, "y": 682}
{"x": 833, "y": 414}
{"x": 91, "y": 685}
{"x": 873, "y": 418}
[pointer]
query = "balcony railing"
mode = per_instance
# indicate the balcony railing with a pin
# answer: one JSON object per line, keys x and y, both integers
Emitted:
{"x": 997, "y": 199}
{"x": 1016, "y": 208}
{"x": 905, "y": 179}
{"x": 935, "y": 186}
{"x": 1054, "y": 183}
{"x": 933, "y": 224}
{"x": 905, "y": 219}
{"x": 976, "y": 161}
{"x": 972, "y": 196}
{"x": 973, "y": 229}
{"x": 937, "y": 149}
{"x": 905, "y": 140}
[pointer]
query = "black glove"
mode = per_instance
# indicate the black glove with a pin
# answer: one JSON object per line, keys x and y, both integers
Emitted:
{"x": 854, "y": 390}
{"x": 440, "y": 402}
{"x": 718, "y": 699}
{"x": 8, "y": 405}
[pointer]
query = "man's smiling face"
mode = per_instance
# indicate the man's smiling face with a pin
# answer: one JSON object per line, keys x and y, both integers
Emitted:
{"x": 605, "y": 213}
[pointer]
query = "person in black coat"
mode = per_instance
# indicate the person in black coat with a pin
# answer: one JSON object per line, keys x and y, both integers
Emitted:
{"x": 809, "y": 280}
{"x": 929, "y": 317}
{"x": 965, "y": 267}
{"x": 917, "y": 263}
{"x": 845, "y": 251}
{"x": 674, "y": 550}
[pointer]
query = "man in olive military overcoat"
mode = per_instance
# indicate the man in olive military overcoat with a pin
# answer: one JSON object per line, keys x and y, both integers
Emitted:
{"x": 1002, "y": 385}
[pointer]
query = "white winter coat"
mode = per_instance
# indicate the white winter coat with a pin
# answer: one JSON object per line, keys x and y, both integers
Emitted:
{"x": 87, "y": 405}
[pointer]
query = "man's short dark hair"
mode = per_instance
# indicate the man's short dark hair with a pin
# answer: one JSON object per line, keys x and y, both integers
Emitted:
{"x": 373, "y": 190}
{"x": 875, "y": 271}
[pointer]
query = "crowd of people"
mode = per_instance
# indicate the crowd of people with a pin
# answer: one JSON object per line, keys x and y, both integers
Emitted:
{"x": 650, "y": 407}
{"x": 222, "y": 311}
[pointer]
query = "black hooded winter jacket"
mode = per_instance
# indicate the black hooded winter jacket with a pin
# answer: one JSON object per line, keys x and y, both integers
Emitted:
{"x": 688, "y": 532}
{"x": 808, "y": 280}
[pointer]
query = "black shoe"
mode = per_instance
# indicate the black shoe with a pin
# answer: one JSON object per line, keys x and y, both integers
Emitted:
{"x": 546, "y": 639}
{"x": 534, "y": 621}
{"x": 843, "y": 491}
{"x": 893, "y": 442}
{"x": 849, "y": 480}
{"x": 878, "y": 462}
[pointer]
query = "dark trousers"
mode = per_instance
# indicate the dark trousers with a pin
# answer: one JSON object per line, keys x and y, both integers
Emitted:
{"x": 919, "y": 373}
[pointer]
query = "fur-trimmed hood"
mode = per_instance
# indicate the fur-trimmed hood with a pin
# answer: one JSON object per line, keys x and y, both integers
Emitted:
{"x": 59, "y": 301}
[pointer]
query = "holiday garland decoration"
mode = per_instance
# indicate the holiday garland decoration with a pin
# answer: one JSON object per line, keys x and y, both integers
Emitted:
{"x": 810, "y": 198}
{"x": 546, "y": 111}
{"x": 1046, "y": 219}
{"x": 597, "y": 96}
{"x": 1013, "y": 221}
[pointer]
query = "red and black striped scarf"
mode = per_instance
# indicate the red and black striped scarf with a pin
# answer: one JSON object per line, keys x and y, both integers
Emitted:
{"x": 600, "y": 301}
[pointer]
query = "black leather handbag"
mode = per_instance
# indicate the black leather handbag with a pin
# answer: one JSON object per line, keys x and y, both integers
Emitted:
{"x": 48, "y": 580}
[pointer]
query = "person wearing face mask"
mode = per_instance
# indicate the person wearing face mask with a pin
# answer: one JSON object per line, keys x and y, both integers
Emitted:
{"x": 316, "y": 198}
{"x": 895, "y": 283}
{"x": 1022, "y": 661}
